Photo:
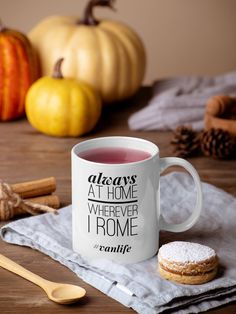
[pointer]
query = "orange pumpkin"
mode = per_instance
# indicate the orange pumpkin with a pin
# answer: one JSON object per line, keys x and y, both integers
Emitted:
{"x": 18, "y": 70}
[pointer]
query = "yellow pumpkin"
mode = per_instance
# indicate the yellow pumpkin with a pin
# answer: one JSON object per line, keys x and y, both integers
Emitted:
{"x": 62, "y": 106}
{"x": 106, "y": 54}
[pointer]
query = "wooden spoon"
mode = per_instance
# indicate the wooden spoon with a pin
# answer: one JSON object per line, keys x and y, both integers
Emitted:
{"x": 57, "y": 292}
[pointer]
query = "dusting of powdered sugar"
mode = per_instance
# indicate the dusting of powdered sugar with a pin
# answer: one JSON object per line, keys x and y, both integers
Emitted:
{"x": 185, "y": 252}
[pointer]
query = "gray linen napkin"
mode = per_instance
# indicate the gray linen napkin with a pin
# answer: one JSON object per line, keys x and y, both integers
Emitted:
{"x": 181, "y": 101}
{"x": 139, "y": 285}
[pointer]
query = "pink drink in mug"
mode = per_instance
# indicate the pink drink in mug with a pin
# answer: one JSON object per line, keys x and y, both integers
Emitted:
{"x": 114, "y": 155}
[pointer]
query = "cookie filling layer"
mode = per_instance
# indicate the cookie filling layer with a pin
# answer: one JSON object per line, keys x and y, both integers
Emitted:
{"x": 183, "y": 273}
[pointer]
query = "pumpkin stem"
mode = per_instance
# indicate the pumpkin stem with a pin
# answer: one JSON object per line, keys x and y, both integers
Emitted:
{"x": 2, "y": 27}
{"x": 89, "y": 18}
{"x": 57, "y": 69}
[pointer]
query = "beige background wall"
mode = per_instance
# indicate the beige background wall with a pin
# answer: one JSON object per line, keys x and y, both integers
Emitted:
{"x": 181, "y": 36}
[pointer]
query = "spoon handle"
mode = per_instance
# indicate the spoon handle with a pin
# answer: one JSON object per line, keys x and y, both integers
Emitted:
{"x": 21, "y": 271}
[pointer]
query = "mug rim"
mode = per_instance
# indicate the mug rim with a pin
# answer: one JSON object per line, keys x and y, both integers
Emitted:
{"x": 154, "y": 148}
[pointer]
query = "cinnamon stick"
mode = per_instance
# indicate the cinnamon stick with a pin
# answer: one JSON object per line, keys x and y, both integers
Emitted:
{"x": 48, "y": 200}
{"x": 35, "y": 188}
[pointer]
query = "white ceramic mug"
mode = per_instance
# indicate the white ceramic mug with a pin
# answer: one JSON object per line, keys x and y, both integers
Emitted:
{"x": 125, "y": 228}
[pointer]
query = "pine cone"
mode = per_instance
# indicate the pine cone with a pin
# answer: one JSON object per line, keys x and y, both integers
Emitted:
{"x": 185, "y": 141}
{"x": 218, "y": 143}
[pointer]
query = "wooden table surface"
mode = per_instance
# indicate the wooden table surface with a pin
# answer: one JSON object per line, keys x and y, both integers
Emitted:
{"x": 26, "y": 154}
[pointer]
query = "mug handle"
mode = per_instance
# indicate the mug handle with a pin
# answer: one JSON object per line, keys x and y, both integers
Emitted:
{"x": 174, "y": 161}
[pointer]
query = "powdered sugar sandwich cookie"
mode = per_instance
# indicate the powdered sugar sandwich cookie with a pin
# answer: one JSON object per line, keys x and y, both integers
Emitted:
{"x": 187, "y": 263}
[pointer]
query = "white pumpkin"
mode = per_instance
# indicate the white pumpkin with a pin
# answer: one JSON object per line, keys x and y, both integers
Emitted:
{"x": 106, "y": 54}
